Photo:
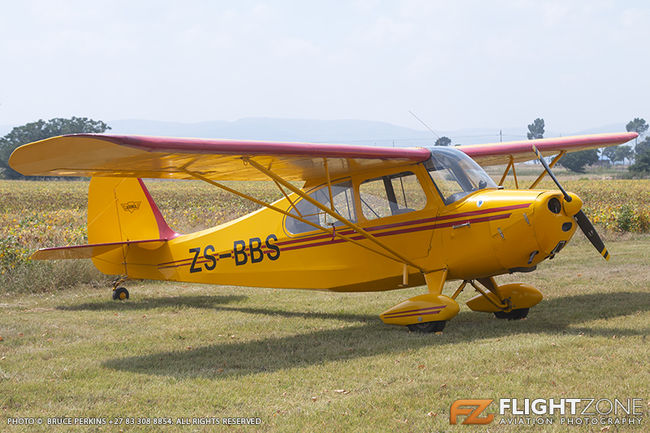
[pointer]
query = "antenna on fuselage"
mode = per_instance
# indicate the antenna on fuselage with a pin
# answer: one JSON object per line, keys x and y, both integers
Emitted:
{"x": 425, "y": 125}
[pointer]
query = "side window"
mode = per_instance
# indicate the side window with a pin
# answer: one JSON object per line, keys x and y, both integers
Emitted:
{"x": 343, "y": 205}
{"x": 391, "y": 195}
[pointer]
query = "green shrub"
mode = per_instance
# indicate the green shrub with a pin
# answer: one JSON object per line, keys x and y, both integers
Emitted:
{"x": 625, "y": 219}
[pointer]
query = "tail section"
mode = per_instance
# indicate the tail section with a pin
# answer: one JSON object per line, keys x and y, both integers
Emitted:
{"x": 121, "y": 211}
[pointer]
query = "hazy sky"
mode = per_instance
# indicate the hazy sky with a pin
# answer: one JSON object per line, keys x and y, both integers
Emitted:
{"x": 456, "y": 64}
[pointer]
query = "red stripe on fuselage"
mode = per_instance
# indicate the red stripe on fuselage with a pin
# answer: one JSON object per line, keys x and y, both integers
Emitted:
{"x": 407, "y": 230}
{"x": 406, "y": 223}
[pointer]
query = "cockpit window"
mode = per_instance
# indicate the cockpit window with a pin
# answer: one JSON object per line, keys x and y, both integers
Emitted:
{"x": 456, "y": 174}
{"x": 390, "y": 195}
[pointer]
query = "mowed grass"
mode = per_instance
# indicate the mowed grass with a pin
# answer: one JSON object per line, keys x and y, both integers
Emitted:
{"x": 320, "y": 361}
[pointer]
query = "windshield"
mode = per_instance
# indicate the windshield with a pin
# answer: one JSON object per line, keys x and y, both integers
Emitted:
{"x": 456, "y": 174}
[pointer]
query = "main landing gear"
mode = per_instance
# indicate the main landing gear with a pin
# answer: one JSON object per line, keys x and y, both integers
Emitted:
{"x": 509, "y": 301}
{"x": 425, "y": 313}
{"x": 120, "y": 293}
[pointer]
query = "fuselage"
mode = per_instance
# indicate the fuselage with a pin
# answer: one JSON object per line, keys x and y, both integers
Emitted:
{"x": 478, "y": 232}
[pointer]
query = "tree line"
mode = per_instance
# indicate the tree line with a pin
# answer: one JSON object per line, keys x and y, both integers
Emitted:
{"x": 639, "y": 153}
{"x": 577, "y": 161}
{"x": 40, "y": 130}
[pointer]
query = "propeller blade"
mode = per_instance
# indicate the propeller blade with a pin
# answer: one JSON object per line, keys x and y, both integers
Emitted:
{"x": 589, "y": 231}
{"x": 582, "y": 220}
{"x": 567, "y": 197}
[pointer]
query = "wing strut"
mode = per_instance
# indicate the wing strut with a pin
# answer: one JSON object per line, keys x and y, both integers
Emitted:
{"x": 541, "y": 176}
{"x": 514, "y": 172}
{"x": 332, "y": 232}
{"x": 329, "y": 183}
{"x": 505, "y": 173}
{"x": 333, "y": 214}
{"x": 284, "y": 193}
{"x": 511, "y": 164}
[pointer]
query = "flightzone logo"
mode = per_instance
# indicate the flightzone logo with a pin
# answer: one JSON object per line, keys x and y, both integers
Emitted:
{"x": 542, "y": 411}
{"x": 471, "y": 410}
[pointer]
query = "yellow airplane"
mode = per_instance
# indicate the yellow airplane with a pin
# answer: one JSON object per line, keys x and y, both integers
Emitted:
{"x": 365, "y": 219}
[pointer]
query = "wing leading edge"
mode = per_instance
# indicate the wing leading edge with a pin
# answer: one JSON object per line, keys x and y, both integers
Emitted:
{"x": 520, "y": 151}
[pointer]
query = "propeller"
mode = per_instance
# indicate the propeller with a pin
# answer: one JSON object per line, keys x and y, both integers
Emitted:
{"x": 583, "y": 222}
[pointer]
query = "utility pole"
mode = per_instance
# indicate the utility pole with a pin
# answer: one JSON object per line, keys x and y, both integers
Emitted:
{"x": 500, "y": 135}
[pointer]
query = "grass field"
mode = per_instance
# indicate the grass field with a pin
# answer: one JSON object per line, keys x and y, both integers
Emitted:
{"x": 321, "y": 361}
{"x": 298, "y": 360}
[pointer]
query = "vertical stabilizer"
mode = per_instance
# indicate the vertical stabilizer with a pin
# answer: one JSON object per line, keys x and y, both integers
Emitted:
{"x": 121, "y": 210}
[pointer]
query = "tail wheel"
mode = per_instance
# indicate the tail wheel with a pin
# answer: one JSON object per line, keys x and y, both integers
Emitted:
{"x": 428, "y": 327}
{"x": 120, "y": 294}
{"x": 517, "y": 314}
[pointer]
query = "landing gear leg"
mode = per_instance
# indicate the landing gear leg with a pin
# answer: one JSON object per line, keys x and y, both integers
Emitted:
{"x": 510, "y": 301}
{"x": 120, "y": 293}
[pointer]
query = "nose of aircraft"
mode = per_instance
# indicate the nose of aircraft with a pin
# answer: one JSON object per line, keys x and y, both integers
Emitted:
{"x": 554, "y": 221}
{"x": 571, "y": 207}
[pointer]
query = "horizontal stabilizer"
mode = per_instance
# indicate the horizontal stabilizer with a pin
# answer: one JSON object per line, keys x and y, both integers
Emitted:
{"x": 91, "y": 250}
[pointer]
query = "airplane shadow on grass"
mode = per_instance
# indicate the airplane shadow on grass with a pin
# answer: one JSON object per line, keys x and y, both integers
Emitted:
{"x": 371, "y": 337}
{"x": 151, "y": 303}
{"x": 208, "y": 302}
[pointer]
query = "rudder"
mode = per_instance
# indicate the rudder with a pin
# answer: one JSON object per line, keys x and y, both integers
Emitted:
{"x": 119, "y": 210}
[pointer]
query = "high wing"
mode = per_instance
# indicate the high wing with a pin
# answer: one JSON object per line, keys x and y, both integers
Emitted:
{"x": 520, "y": 151}
{"x": 174, "y": 158}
